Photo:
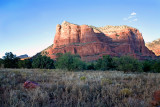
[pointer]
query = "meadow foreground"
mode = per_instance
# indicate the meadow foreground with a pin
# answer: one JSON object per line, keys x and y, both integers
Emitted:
{"x": 58, "y": 88}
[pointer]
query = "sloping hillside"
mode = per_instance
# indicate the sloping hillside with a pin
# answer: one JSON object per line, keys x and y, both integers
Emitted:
{"x": 154, "y": 46}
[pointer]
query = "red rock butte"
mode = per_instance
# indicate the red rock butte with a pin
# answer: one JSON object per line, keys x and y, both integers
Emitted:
{"x": 91, "y": 43}
{"x": 154, "y": 46}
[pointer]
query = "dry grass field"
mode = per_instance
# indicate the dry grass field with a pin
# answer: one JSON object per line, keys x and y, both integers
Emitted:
{"x": 58, "y": 88}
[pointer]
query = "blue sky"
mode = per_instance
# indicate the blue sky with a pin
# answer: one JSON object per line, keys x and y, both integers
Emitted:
{"x": 28, "y": 26}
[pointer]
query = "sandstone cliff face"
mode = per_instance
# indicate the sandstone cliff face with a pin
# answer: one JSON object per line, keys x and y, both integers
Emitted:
{"x": 154, "y": 46}
{"x": 91, "y": 42}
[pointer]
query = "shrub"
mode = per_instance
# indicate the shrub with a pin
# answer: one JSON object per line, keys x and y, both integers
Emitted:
{"x": 10, "y": 60}
{"x": 126, "y": 92}
{"x": 90, "y": 66}
{"x": 43, "y": 62}
{"x": 78, "y": 64}
{"x": 58, "y": 55}
{"x": 70, "y": 62}
{"x": 127, "y": 63}
{"x": 1, "y": 62}
{"x": 83, "y": 78}
{"x": 147, "y": 65}
{"x": 105, "y": 63}
{"x": 106, "y": 80}
{"x": 156, "y": 66}
{"x": 25, "y": 63}
{"x": 117, "y": 35}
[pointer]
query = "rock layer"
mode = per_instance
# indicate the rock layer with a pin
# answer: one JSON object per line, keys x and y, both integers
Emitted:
{"x": 154, "y": 46}
{"x": 91, "y": 42}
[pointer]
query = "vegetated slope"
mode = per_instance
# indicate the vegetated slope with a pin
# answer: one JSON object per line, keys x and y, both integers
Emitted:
{"x": 43, "y": 52}
{"x": 91, "y": 43}
{"x": 154, "y": 46}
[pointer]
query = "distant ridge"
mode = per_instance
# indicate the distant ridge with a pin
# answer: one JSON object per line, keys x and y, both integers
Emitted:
{"x": 154, "y": 46}
{"x": 23, "y": 56}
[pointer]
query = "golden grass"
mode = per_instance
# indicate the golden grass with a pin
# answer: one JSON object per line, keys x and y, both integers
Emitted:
{"x": 60, "y": 88}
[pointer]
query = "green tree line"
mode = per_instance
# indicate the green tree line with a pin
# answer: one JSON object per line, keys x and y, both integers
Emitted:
{"x": 74, "y": 63}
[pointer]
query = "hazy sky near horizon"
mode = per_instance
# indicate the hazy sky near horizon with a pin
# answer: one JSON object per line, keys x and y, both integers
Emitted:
{"x": 28, "y": 26}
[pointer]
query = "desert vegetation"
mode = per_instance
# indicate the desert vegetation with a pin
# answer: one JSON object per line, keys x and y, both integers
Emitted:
{"x": 89, "y": 88}
{"x": 108, "y": 82}
{"x": 71, "y": 62}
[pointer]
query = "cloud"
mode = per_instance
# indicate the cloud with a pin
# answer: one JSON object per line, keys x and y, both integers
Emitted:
{"x": 133, "y": 14}
{"x": 135, "y": 20}
{"x": 132, "y": 17}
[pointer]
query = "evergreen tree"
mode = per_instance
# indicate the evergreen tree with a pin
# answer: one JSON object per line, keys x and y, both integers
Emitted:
{"x": 43, "y": 62}
{"x": 10, "y": 60}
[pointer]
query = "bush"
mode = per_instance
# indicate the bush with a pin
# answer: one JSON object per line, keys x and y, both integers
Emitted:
{"x": 90, "y": 66}
{"x": 106, "y": 80}
{"x": 70, "y": 62}
{"x": 78, "y": 64}
{"x": 25, "y": 63}
{"x": 58, "y": 55}
{"x": 147, "y": 65}
{"x": 10, "y": 60}
{"x": 126, "y": 92}
{"x": 43, "y": 62}
{"x": 156, "y": 66}
{"x": 1, "y": 62}
{"x": 83, "y": 78}
{"x": 127, "y": 63}
{"x": 106, "y": 63}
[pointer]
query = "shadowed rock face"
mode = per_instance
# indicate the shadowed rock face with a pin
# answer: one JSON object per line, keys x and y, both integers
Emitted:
{"x": 91, "y": 42}
{"x": 154, "y": 46}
